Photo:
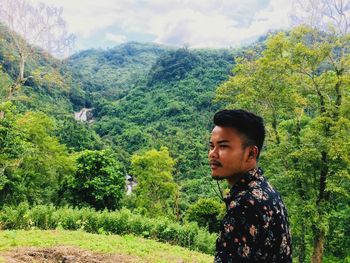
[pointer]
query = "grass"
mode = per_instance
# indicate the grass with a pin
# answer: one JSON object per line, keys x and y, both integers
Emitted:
{"x": 145, "y": 250}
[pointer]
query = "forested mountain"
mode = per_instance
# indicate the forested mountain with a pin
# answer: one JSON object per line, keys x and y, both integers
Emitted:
{"x": 154, "y": 96}
{"x": 112, "y": 73}
{"x": 143, "y": 96}
{"x": 150, "y": 104}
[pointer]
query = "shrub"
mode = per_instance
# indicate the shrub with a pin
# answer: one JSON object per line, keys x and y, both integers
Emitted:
{"x": 206, "y": 212}
{"x": 98, "y": 181}
{"x": 163, "y": 229}
{"x": 15, "y": 217}
{"x": 42, "y": 216}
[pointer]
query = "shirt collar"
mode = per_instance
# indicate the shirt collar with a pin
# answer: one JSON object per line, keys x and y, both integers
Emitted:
{"x": 245, "y": 179}
{"x": 248, "y": 177}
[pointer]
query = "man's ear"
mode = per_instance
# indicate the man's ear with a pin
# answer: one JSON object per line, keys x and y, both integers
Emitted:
{"x": 253, "y": 153}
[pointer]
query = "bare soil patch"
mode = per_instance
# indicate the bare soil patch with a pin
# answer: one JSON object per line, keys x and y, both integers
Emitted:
{"x": 62, "y": 254}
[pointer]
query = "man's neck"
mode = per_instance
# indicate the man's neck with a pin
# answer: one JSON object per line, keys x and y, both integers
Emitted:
{"x": 234, "y": 179}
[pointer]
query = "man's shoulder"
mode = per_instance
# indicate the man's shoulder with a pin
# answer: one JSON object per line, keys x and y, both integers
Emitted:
{"x": 262, "y": 191}
{"x": 258, "y": 196}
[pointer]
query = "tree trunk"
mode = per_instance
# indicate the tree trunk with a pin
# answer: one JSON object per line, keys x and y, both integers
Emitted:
{"x": 318, "y": 248}
{"x": 323, "y": 178}
{"x": 11, "y": 90}
{"x": 21, "y": 69}
{"x": 301, "y": 256}
{"x": 20, "y": 78}
{"x": 177, "y": 206}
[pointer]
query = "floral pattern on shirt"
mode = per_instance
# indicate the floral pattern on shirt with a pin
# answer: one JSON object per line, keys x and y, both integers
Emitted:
{"x": 255, "y": 227}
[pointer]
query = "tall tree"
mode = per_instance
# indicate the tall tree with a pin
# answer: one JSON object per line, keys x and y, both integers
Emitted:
{"x": 156, "y": 189}
{"x": 300, "y": 84}
{"x": 98, "y": 182}
{"x": 31, "y": 27}
{"x": 33, "y": 163}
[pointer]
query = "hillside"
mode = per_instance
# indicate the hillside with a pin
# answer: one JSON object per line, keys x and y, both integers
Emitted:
{"x": 112, "y": 73}
{"x": 143, "y": 96}
{"x": 46, "y": 87}
{"x": 165, "y": 99}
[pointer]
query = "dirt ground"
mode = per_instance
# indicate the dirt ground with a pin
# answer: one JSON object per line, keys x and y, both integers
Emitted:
{"x": 62, "y": 254}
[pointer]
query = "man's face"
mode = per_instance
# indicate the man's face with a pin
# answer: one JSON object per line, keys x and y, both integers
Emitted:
{"x": 227, "y": 157}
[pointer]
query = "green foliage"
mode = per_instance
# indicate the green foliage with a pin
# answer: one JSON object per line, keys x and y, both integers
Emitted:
{"x": 46, "y": 86}
{"x": 98, "y": 181}
{"x": 338, "y": 242}
{"x": 155, "y": 185}
{"x": 49, "y": 78}
{"x": 173, "y": 65}
{"x": 162, "y": 113}
{"x": 300, "y": 85}
{"x": 111, "y": 73}
{"x": 7, "y": 52}
{"x": 5, "y": 83}
{"x": 207, "y": 213}
{"x": 33, "y": 162}
{"x": 78, "y": 98}
{"x": 77, "y": 135}
{"x": 119, "y": 222}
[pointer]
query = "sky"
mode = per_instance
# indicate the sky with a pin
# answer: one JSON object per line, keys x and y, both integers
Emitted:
{"x": 194, "y": 23}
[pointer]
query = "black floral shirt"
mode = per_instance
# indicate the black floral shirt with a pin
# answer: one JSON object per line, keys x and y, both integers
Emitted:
{"x": 255, "y": 227}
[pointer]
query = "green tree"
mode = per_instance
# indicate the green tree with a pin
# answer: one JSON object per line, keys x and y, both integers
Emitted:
{"x": 33, "y": 163}
{"x": 300, "y": 84}
{"x": 77, "y": 135}
{"x": 156, "y": 189}
{"x": 206, "y": 212}
{"x": 5, "y": 82}
{"x": 98, "y": 182}
{"x": 11, "y": 148}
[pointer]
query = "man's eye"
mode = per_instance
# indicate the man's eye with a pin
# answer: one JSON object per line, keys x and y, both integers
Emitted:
{"x": 223, "y": 146}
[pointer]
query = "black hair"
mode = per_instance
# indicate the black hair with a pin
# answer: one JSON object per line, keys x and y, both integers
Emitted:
{"x": 247, "y": 123}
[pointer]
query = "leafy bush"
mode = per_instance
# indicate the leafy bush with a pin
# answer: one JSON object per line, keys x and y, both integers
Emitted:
{"x": 98, "y": 181}
{"x": 11, "y": 218}
{"x": 43, "y": 216}
{"x": 123, "y": 221}
{"x": 206, "y": 212}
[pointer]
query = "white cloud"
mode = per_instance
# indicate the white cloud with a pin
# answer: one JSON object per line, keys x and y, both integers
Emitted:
{"x": 194, "y": 28}
{"x": 118, "y": 39}
{"x": 275, "y": 16}
{"x": 198, "y": 23}
{"x": 208, "y": 27}
{"x": 88, "y": 16}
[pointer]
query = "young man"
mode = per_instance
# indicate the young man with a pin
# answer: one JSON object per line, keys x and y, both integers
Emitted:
{"x": 255, "y": 227}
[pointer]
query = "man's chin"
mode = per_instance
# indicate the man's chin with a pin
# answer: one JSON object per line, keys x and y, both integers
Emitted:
{"x": 219, "y": 177}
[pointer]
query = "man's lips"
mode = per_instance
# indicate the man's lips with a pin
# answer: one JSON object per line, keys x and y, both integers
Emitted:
{"x": 215, "y": 164}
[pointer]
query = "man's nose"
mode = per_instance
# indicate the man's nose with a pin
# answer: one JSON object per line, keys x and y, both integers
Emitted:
{"x": 213, "y": 153}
